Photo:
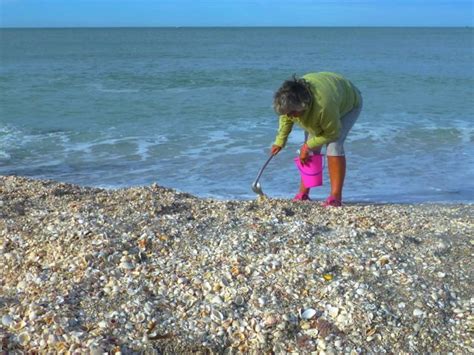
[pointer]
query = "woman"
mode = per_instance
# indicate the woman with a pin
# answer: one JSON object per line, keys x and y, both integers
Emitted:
{"x": 326, "y": 106}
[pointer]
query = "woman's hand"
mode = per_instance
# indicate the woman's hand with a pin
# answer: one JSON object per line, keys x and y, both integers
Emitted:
{"x": 304, "y": 153}
{"x": 275, "y": 149}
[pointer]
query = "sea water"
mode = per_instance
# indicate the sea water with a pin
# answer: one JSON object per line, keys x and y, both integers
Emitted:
{"x": 190, "y": 108}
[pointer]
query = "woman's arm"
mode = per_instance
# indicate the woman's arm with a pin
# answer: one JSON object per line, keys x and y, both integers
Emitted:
{"x": 284, "y": 129}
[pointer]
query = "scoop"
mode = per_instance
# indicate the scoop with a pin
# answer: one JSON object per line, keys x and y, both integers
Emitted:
{"x": 256, "y": 187}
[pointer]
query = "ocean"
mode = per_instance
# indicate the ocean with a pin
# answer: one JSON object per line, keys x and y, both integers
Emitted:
{"x": 191, "y": 108}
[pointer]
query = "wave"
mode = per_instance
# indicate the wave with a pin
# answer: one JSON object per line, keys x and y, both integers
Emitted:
{"x": 101, "y": 88}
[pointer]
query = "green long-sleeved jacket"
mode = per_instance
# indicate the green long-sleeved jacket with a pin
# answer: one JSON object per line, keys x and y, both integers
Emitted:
{"x": 333, "y": 97}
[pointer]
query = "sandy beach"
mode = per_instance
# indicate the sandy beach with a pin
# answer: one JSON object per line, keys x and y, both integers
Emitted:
{"x": 151, "y": 269}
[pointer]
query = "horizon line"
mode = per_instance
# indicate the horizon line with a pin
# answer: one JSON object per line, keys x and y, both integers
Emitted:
{"x": 225, "y": 26}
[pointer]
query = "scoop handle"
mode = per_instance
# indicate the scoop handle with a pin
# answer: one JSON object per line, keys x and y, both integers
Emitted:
{"x": 263, "y": 168}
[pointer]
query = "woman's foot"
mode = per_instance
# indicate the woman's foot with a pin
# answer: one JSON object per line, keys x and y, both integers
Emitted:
{"x": 331, "y": 201}
{"x": 301, "y": 197}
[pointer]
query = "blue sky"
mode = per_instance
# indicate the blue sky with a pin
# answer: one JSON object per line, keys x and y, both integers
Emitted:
{"x": 113, "y": 13}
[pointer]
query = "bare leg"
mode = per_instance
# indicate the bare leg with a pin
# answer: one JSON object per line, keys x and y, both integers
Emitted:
{"x": 337, "y": 173}
{"x": 303, "y": 189}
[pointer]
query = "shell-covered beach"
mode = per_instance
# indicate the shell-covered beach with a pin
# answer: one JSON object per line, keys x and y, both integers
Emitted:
{"x": 151, "y": 269}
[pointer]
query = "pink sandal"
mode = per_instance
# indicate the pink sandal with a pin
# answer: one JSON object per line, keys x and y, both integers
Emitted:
{"x": 301, "y": 197}
{"x": 332, "y": 202}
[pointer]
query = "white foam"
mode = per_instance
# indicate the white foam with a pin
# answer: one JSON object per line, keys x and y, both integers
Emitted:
{"x": 4, "y": 155}
{"x": 100, "y": 87}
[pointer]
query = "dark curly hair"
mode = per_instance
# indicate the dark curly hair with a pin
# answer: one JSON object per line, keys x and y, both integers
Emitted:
{"x": 293, "y": 95}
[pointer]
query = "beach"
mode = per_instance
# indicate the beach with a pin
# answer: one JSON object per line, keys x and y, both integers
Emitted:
{"x": 150, "y": 269}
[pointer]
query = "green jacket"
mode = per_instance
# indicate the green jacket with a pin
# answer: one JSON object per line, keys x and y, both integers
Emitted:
{"x": 333, "y": 97}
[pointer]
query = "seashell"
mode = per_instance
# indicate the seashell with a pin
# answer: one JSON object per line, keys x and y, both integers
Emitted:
{"x": 217, "y": 316}
{"x": 321, "y": 344}
{"x": 52, "y": 339}
{"x": 305, "y": 325}
{"x": 24, "y": 338}
{"x": 278, "y": 334}
{"x": 370, "y": 331}
{"x": 234, "y": 270}
{"x": 313, "y": 332}
{"x": 21, "y": 285}
{"x": 216, "y": 300}
{"x": 148, "y": 308}
{"x": 142, "y": 243}
{"x": 239, "y": 300}
{"x": 384, "y": 260}
{"x": 190, "y": 302}
{"x": 417, "y": 312}
{"x": 270, "y": 320}
{"x": 140, "y": 317}
{"x": 342, "y": 319}
{"x": 226, "y": 324}
{"x": 19, "y": 325}
{"x": 32, "y": 316}
{"x": 237, "y": 337}
{"x": 257, "y": 328}
{"x": 225, "y": 281}
{"x": 470, "y": 324}
{"x": 243, "y": 348}
{"x": 404, "y": 279}
{"x": 308, "y": 313}
{"x": 333, "y": 311}
{"x": 327, "y": 277}
{"x": 227, "y": 296}
{"x": 244, "y": 290}
{"x": 126, "y": 265}
{"x": 150, "y": 326}
{"x": 7, "y": 320}
{"x": 206, "y": 286}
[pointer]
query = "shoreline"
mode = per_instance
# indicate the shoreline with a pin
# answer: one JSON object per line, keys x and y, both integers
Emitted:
{"x": 351, "y": 201}
{"x": 149, "y": 268}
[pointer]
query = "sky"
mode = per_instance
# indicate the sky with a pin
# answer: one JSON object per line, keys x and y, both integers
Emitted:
{"x": 158, "y": 13}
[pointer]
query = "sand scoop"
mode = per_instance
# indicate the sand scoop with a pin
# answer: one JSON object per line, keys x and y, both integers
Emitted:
{"x": 256, "y": 187}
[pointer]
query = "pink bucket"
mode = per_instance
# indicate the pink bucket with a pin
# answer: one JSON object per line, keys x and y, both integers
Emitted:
{"x": 312, "y": 171}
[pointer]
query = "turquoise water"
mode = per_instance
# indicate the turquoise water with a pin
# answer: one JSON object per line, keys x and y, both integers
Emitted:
{"x": 190, "y": 108}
